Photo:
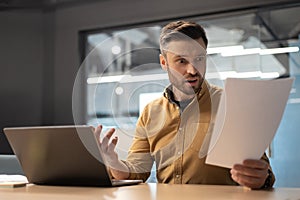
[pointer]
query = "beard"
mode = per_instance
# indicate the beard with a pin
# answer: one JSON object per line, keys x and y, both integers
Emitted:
{"x": 188, "y": 84}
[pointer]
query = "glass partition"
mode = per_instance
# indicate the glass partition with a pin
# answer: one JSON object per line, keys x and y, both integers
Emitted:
{"x": 123, "y": 65}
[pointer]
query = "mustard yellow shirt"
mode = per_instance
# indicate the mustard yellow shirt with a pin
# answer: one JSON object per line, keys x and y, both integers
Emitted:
{"x": 177, "y": 141}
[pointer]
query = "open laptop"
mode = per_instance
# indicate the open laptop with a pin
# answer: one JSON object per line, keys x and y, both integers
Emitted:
{"x": 61, "y": 155}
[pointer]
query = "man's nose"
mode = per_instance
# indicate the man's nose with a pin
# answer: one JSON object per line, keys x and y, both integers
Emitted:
{"x": 191, "y": 69}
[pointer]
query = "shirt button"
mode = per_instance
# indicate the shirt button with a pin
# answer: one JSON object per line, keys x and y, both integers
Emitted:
{"x": 179, "y": 152}
{"x": 177, "y": 176}
{"x": 180, "y": 129}
{"x": 177, "y": 107}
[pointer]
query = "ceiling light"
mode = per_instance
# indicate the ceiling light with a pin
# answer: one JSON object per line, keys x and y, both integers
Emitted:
{"x": 105, "y": 79}
{"x": 214, "y": 50}
{"x": 116, "y": 49}
{"x": 241, "y": 52}
{"x": 259, "y": 51}
{"x": 127, "y": 78}
{"x": 279, "y": 50}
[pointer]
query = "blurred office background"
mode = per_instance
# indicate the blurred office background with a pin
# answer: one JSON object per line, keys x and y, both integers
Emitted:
{"x": 106, "y": 52}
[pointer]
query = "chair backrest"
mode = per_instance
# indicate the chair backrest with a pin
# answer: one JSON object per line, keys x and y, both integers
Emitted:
{"x": 9, "y": 164}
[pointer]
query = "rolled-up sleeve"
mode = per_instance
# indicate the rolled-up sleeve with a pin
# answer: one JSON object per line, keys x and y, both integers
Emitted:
{"x": 139, "y": 159}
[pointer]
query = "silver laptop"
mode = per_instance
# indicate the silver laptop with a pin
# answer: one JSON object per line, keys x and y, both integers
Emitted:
{"x": 61, "y": 155}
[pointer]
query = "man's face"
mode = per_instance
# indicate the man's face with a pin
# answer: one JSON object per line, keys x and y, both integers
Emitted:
{"x": 185, "y": 62}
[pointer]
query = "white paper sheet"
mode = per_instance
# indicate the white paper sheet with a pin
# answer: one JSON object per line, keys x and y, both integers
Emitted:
{"x": 12, "y": 178}
{"x": 249, "y": 114}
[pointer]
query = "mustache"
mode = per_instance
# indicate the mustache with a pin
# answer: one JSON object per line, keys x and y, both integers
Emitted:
{"x": 193, "y": 76}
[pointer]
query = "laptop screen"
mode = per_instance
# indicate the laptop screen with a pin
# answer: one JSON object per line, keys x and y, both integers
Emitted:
{"x": 59, "y": 155}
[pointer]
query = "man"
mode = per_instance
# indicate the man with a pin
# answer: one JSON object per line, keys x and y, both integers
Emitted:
{"x": 174, "y": 130}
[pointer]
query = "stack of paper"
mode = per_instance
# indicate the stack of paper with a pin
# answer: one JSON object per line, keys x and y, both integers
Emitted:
{"x": 12, "y": 180}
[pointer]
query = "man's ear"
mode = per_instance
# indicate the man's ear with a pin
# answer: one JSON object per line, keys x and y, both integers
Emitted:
{"x": 163, "y": 62}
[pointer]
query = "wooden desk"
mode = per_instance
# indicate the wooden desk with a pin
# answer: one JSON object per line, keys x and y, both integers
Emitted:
{"x": 146, "y": 192}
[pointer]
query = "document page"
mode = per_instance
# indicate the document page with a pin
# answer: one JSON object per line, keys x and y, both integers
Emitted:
{"x": 11, "y": 181}
{"x": 249, "y": 114}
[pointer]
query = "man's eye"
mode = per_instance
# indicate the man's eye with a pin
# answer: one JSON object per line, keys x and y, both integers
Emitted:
{"x": 182, "y": 61}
